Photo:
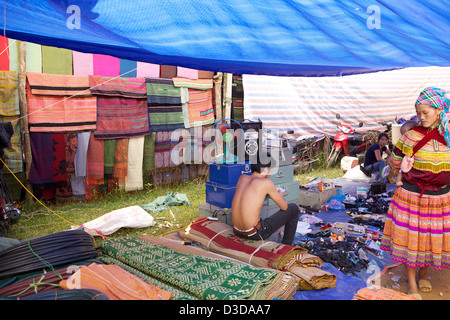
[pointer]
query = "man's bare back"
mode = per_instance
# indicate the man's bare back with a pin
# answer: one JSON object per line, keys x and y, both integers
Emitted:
{"x": 251, "y": 191}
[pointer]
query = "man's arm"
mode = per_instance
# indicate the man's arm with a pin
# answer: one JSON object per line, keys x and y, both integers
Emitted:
{"x": 277, "y": 197}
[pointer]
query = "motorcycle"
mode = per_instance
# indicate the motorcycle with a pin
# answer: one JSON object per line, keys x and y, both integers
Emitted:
{"x": 341, "y": 142}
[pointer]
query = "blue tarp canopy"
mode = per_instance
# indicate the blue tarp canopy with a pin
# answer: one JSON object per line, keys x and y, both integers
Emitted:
{"x": 272, "y": 37}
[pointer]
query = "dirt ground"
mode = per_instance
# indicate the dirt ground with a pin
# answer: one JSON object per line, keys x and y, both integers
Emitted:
{"x": 395, "y": 278}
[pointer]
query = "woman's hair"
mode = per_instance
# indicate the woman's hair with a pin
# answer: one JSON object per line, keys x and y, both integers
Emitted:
{"x": 381, "y": 135}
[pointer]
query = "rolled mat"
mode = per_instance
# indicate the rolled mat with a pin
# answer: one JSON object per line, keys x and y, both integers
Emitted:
{"x": 75, "y": 294}
{"x": 203, "y": 277}
{"x": 286, "y": 285}
{"x": 219, "y": 237}
{"x": 47, "y": 251}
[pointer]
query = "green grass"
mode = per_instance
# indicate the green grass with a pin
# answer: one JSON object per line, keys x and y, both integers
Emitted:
{"x": 36, "y": 220}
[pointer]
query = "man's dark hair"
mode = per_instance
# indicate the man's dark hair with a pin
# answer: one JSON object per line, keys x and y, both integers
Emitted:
{"x": 260, "y": 164}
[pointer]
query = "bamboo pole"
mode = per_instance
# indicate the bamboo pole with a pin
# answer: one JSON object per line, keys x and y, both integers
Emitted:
{"x": 227, "y": 91}
{"x": 25, "y": 134}
{"x": 218, "y": 95}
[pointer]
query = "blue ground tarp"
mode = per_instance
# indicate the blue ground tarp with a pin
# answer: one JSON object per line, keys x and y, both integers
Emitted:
{"x": 272, "y": 37}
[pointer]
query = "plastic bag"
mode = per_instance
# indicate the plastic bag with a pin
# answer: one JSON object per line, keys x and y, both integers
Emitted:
{"x": 130, "y": 217}
{"x": 336, "y": 205}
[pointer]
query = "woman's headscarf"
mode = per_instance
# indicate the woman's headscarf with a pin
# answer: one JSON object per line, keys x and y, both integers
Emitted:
{"x": 435, "y": 97}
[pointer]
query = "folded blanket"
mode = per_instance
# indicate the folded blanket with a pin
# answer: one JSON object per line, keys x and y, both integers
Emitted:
{"x": 58, "y": 84}
{"x": 120, "y": 117}
{"x": 118, "y": 86}
{"x": 199, "y": 84}
{"x": 200, "y": 108}
{"x": 162, "y": 91}
{"x": 203, "y": 277}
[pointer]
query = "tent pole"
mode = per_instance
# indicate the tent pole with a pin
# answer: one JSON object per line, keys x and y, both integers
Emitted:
{"x": 25, "y": 134}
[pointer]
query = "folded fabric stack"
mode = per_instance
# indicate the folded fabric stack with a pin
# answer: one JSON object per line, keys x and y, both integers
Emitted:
{"x": 200, "y": 276}
{"x": 218, "y": 237}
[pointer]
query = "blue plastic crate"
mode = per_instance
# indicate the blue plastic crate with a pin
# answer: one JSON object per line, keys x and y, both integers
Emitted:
{"x": 219, "y": 195}
{"x": 228, "y": 173}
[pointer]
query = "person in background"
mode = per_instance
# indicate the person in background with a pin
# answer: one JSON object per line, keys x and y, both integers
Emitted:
{"x": 374, "y": 161}
{"x": 408, "y": 125}
{"x": 417, "y": 225}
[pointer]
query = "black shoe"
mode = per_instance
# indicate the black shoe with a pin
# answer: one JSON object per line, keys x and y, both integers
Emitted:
{"x": 365, "y": 171}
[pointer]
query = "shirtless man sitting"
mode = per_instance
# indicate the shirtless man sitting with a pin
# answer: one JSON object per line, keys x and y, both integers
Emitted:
{"x": 251, "y": 191}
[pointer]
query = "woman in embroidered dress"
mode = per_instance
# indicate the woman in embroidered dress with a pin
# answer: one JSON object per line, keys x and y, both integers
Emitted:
{"x": 417, "y": 227}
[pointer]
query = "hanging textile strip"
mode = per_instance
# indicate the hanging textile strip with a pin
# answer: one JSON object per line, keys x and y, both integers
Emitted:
{"x": 9, "y": 103}
{"x": 199, "y": 84}
{"x": 203, "y": 277}
{"x": 57, "y": 114}
{"x": 115, "y": 282}
{"x": 164, "y": 105}
{"x": 120, "y": 169}
{"x": 120, "y": 117}
{"x": 134, "y": 179}
{"x": 163, "y": 146}
{"x": 56, "y": 60}
{"x": 149, "y": 154}
{"x": 13, "y": 154}
{"x": 58, "y": 85}
{"x": 95, "y": 167}
{"x": 118, "y": 86}
{"x": 162, "y": 91}
{"x": 200, "y": 108}
{"x": 187, "y": 73}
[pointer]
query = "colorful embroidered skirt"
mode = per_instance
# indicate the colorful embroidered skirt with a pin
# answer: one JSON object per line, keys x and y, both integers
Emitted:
{"x": 417, "y": 229}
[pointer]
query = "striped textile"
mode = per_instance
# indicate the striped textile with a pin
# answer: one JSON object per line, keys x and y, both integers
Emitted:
{"x": 164, "y": 105}
{"x": 13, "y": 154}
{"x": 120, "y": 117}
{"x": 9, "y": 101}
{"x": 200, "y": 108}
{"x": 199, "y": 84}
{"x": 58, "y": 84}
{"x": 58, "y": 114}
{"x": 431, "y": 168}
{"x": 309, "y": 104}
{"x": 162, "y": 91}
{"x": 165, "y": 117}
{"x": 163, "y": 146}
{"x": 118, "y": 86}
{"x": 417, "y": 229}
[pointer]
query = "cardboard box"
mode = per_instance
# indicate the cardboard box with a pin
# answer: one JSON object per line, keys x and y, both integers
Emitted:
{"x": 315, "y": 199}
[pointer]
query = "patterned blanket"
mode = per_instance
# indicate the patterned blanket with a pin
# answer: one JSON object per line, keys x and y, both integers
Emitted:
{"x": 58, "y": 84}
{"x": 120, "y": 117}
{"x": 203, "y": 277}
